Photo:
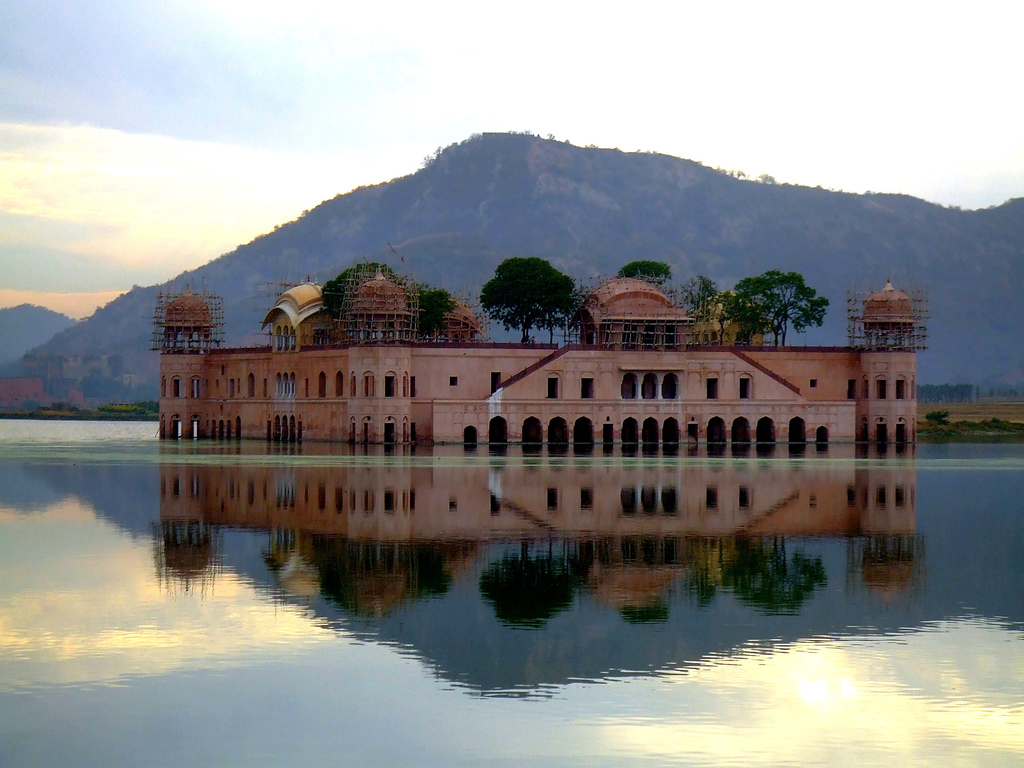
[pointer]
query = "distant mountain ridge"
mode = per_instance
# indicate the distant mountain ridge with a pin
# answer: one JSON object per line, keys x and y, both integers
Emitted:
{"x": 27, "y": 326}
{"x": 591, "y": 210}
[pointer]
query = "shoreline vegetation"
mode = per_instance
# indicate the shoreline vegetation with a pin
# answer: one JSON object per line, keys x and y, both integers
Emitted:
{"x": 948, "y": 423}
{"x": 144, "y": 411}
{"x": 974, "y": 422}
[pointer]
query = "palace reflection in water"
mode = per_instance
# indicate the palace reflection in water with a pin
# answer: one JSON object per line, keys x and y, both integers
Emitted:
{"x": 534, "y": 533}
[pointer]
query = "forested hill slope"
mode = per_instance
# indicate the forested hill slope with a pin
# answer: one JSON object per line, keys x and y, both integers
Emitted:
{"x": 27, "y": 326}
{"x": 591, "y": 210}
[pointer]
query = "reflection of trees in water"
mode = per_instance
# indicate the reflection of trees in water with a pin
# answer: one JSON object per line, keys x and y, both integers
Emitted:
{"x": 187, "y": 555}
{"x": 371, "y": 578}
{"x": 638, "y": 576}
{"x": 529, "y": 588}
{"x": 760, "y": 575}
{"x": 653, "y": 613}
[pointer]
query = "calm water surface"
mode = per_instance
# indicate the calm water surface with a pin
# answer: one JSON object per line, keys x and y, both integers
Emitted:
{"x": 239, "y": 604}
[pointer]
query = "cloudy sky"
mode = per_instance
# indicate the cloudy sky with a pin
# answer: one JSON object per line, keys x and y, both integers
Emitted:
{"x": 138, "y": 140}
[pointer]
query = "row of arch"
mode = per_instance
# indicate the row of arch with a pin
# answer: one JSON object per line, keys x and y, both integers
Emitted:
{"x": 650, "y": 388}
{"x": 649, "y": 431}
{"x": 218, "y": 429}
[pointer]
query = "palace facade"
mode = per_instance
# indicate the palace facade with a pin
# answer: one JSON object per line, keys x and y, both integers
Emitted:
{"x": 640, "y": 372}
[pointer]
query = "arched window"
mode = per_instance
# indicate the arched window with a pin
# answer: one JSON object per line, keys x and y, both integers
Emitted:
{"x": 649, "y": 390}
{"x": 670, "y": 387}
{"x": 321, "y": 389}
{"x": 252, "y": 385}
{"x": 629, "y": 386}
{"x": 339, "y": 384}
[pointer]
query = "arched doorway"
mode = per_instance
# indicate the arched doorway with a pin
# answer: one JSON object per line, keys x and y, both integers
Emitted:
{"x": 558, "y": 431}
{"x": 583, "y": 431}
{"x": 901, "y": 431}
{"x": 292, "y": 432}
{"x": 670, "y": 431}
{"x": 716, "y": 430}
{"x": 497, "y": 430}
{"x": 649, "y": 434}
{"x": 881, "y": 432}
{"x": 629, "y": 386}
{"x": 469, "y": 435}
{"x": 765, "y": 430}
{"x": 238, "y": 427}
{"x": 740, "y": 430}
{"x": 821, "y": 435}
{"x": 532, "y": 431}
{"x": 797, "y": 430}
{"x": 630, "y": 431}
{"x": 277, "y": 429}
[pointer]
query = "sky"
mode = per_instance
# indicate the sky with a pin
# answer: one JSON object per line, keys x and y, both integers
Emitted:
{"x": 140, "y": 140}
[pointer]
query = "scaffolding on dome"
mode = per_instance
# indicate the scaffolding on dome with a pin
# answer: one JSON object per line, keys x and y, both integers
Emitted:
{"x": 375, "y": 308}
{"x": 465, "y": 323}
{"x": 887, "y": 320}
{"x": 616, "y": 322}
{"x": 187, "y": 323}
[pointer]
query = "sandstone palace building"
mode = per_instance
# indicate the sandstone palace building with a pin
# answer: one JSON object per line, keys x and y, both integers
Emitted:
{"x": 638, "y": 371}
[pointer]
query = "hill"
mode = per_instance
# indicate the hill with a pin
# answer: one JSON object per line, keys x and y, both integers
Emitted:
{"x": 590, "y": 210}
{"x": 27, "y": 326}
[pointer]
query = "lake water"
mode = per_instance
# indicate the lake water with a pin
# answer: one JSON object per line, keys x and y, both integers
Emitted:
{"x": 238, "y": 604}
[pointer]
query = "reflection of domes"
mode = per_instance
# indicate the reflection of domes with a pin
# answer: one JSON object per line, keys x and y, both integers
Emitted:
{"x": 188, "y": 309}
{"x": 888, "y": 578}
{"x": 632, "y": 587}
{"x": 299, "y": 577}
{"x": 888, "y": 305}
{"x": 379, "y": 295}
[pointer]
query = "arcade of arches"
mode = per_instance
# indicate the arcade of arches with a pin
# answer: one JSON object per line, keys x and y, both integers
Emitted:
{"x": 667, "y": 431}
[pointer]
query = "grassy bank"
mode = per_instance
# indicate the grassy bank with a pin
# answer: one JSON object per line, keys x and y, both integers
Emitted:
{"x": 148, "y": 411}
{"x": 971, "y": 422}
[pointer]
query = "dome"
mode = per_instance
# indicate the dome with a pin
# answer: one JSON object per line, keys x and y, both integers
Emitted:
{"x": 462, "y": 323}
{"x": 379, "y": 295}
{"x": 627, "y": 297}
{"x": 297, "y": 303}
{"x": 889, "y": 305}
{"x": 628, "y": 294}
{"x": 188, "y": 309}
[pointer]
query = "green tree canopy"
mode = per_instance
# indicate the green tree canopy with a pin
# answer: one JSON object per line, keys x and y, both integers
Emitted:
{"x": 334, "y": 291}
{"x": 527, "y": 293}
{"x": 435, "y": 303}
{"x": 657, "y": 272}
{"x": 775, "y": 300}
